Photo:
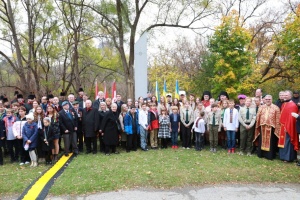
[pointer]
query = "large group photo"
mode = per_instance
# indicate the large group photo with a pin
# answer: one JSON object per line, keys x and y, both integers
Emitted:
{"x": 185, "y": 99}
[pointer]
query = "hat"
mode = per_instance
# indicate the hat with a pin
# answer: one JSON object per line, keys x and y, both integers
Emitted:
{"x": 75, "y": 102}
{"x": 19, "y": 96}
{"x": 30, "y": 116}
{"x": 223, "y": 93}
{"x": 16, "y": 93}
{"x": 206, "y": 93}
{"x": 242, "y": 96}
{"x": 169, "y": 95}
{"x": 182, "y": 93}
{"x": 50, "y": 96}
{"x": 80, "y": 89}
{"x": 295, "y": 92}
{"x": 65, "y": 103}
{"x": 31, "y": 96}
{"x": 5, "y": 99}
{"x": 63, "y": 93}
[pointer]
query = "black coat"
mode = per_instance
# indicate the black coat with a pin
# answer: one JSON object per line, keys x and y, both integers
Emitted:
{"x": 96, "y": 103}
{"x": 28, "y": 107}
{"x": 90, "y": 122}
{"x": 110, "y": 128}
{"x": 66, "y": 123}
{"x": 298, "y": 124}
{"x": 101, "y": 117}
{"x": 49, "y": 133}
{"x": 119, "y": 104}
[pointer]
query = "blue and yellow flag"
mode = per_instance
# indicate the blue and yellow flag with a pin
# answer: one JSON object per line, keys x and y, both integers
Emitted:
{"x": 176, "y": 90}
{"x": 165, "y": 89}
{"x": 157, "y": 92}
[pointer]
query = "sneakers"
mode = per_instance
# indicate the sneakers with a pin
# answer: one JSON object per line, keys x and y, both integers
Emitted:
{"x": 21, "y": 163}
{"x": 229, "y": 151}
{"x": 175, "y": 147}
{"x": 249, "y": 154}
{"x": 211, "y": 150}
{"x": 232, "y": 150}
{"x": 215, "y": 150}
{"x": 241, "y": 153}
{"x": 183, "y": 147}
{"x": 26, "y": 163}
{"x": 188, "y": 148}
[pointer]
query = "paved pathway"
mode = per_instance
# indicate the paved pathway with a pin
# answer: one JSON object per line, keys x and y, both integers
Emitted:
{"x": 224, "y": 192}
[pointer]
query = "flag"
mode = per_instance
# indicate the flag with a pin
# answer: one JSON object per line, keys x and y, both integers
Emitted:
{"x": 105, "y": 91}
{"x": 157, "y": 92}
{"x": 176, "y": 90}
{"x": 96, "y": 89}
{"x": 114, "y": 92}
{"x": 165, "y": 89}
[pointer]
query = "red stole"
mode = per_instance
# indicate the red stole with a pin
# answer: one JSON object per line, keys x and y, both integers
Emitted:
{"x": 288, "y": 124}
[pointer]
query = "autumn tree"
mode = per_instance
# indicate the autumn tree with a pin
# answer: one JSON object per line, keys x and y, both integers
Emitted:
{"x": 120, "y": 20}
{"x": 232, "y": 60}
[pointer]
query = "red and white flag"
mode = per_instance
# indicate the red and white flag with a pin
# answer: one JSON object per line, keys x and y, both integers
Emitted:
{"x": 114, "y": 92}
{"x": 96, "y": 89}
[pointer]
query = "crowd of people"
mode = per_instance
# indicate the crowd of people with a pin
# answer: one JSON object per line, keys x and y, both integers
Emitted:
{"x": 31, "y": 132}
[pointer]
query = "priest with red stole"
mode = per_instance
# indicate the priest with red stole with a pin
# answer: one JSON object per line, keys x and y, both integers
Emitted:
{"x": 288, "y": 137}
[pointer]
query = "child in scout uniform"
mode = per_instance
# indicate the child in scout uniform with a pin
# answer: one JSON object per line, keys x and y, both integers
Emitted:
{"x": 214, "y": 126}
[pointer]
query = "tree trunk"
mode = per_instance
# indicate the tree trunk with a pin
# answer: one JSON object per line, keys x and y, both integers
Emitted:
{"x": 19, "y": 67}
{"x": 75, "y": 61}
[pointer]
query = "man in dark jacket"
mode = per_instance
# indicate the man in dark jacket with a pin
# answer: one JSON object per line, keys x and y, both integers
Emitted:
{"x": 100, "y": 99}
{"x": 119, "y": 103}
{"x": 79, "y": 131}
{"x": 90, "y": 122}
{"x": 68, "y": 126}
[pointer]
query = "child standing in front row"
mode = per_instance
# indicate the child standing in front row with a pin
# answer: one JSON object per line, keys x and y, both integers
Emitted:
{"x": 47, "y": 138}
{"x": 214, "y": 126}
{"x": 9, "y": 121}
{"x": 231, "y": 125}
{"x": 175, "y": 126}
{"x": 199, "y": 128}
{"x": 30, "y": 138}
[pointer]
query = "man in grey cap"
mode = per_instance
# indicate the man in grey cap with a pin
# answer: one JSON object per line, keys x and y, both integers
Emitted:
{"x": 68, "y": 125}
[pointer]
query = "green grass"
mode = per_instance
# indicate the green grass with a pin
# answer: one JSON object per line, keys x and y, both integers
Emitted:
{"x": 14, "y": 179}
{"x": 166, "y": 169}
{"x": 161, "y": 169}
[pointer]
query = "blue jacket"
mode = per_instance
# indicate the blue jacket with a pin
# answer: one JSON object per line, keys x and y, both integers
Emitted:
{"x": 128, "y": 124}
{"x": 30, "y": 132}
{"x": 174, "y": 124}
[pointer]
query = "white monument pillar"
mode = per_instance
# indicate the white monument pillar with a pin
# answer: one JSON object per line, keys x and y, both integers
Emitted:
{"x": 140, "y": 66}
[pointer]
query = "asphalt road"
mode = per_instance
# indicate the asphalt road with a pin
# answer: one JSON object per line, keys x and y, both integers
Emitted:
{"x": 224, "y": 192}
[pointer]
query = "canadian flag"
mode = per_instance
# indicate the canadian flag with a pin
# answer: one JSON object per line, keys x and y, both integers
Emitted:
{"x": 114, "y": 92}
